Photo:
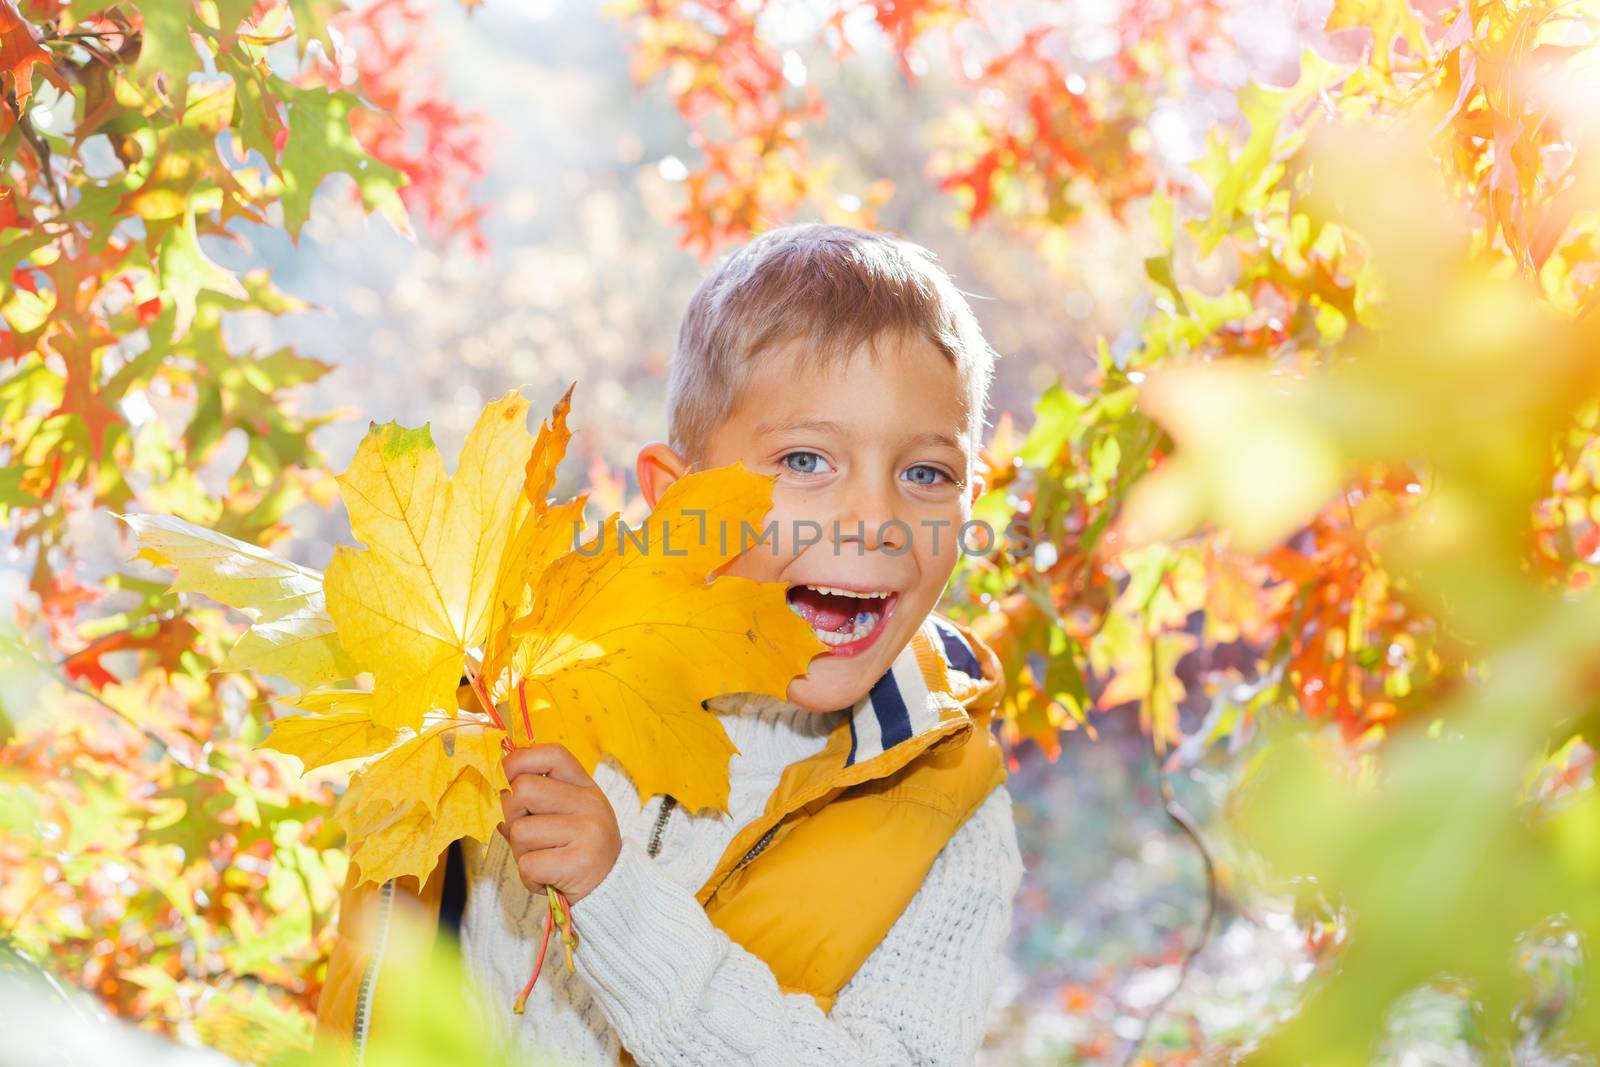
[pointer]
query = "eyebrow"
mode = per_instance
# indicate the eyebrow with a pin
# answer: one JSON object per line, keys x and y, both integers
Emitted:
{"x": 821, "y": 425}
{"x": 927, "y": 437}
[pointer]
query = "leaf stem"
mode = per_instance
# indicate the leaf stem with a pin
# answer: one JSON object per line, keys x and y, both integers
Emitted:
{"x": 475, "y": 679}
{"x": 559, "y": 913}
{"x": 569, "y": 931}
{"x": 522, "y": 697}
{"x": 538, "y": 965}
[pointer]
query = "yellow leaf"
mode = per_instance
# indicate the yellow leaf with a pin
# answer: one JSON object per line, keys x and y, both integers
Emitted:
{"x": 422, "y": 768}
{"x": 406, "y": 806}
{"x": 620, "y": 648}
{"x": 412, "y": 603}
{"x": 324, "y": 701}
{"x": 303, "y": 647}
{"x": 478, "y": 747}
{"x": 1387, "y": 21}
{"x": 539, "y": 474}
{"x": 412, "y": 844}
{"x": 542, "y": 533}
{"x": 317, "y": 740}
{"x": 1252, "y": 457}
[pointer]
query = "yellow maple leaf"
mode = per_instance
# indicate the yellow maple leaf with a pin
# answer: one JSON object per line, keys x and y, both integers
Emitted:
{"x": 327, "y": 701}
{"x": 617, "y": 650}
{"x": 541, "y": 533}
{"x": 626, "y": 638}
{"x": 416, "y": 599}
{"x": 411, "y": 844}
{"x": 406, "y": 806}
{"x": 420, "y": 770}
{"x": 318, "y": 740}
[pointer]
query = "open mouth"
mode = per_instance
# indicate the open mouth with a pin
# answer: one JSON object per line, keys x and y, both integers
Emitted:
{"x": 846, "y": 620}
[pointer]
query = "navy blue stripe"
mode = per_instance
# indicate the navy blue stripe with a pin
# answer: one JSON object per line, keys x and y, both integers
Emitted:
{"x": 957, "y": 651}
{"x": 890, "y": 707}
{"x": 852, "y": 757}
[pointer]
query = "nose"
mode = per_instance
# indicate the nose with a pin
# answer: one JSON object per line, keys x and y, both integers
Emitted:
{"x": 869, "y": 518}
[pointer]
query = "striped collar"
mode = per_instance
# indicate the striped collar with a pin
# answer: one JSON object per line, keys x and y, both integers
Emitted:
{"x": 911, "y": 699}
{"x": 935, "y": 678}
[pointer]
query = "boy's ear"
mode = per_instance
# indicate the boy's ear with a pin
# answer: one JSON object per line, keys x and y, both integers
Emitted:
{"x": 658, "y": 466}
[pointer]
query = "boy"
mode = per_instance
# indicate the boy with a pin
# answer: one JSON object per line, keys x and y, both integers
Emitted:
{"x": 852, "y": 906}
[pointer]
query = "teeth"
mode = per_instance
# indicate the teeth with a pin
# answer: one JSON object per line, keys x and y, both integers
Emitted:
{"x": 848, "y": 592}
{"x": 865, "y": 623}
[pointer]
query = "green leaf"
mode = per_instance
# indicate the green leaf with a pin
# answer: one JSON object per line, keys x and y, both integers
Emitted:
{"x": 1056, "y": 416}
{"x": 311, "y": 20}
{"x": 12, "y": 495}
{"x": 258, "y": 115}
{"x": 185, "y": 270}
{"x": 292, "y": 636}
{"x": 230, "y": 13}
{"x": 321, "y": 143}
{"x": 23, "y": 679}
{"x": 166, "y": 48}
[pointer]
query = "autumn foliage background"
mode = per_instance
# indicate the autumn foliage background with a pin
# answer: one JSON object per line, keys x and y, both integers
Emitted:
{"x": 1297, "y": 398}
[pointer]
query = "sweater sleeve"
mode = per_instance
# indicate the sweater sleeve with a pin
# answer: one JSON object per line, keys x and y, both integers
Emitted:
{"x": 681, "y": 993}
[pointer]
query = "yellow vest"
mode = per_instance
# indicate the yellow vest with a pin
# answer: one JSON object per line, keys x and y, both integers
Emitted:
{"x": 813, "y": 885}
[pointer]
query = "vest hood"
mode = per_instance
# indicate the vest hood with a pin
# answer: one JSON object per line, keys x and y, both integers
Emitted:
{"x": 945, "y": 673}
{"x": 944, "y": 669}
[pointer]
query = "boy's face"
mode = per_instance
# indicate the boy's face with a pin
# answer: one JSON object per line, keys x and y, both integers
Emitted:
{"x": 874, "y": 482}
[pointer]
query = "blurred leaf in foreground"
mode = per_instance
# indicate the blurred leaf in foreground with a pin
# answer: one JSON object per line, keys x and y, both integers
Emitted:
{"x": 1434, "y": 848}
{"x": 430, "y": 1012}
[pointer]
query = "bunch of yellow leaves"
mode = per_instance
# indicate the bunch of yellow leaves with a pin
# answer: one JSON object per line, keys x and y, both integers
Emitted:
{"x": 606, "y": 646}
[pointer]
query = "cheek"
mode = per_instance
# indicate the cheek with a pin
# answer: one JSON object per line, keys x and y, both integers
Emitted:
{"x": 937, "y": 547}
{"x": 951, "y": 514}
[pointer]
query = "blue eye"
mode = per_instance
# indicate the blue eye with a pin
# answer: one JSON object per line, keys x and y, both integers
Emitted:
{"x": 933, "y": 474}
{"x": 818, "y": 465}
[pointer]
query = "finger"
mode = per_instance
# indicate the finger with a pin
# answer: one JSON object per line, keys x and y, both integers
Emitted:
{"x": 534, "y": 794}
{"x": 535, "y": 886}
{"x": 550, "y": 758}
{"x": 545, "y": 866}
{"x": 533, "y": 832}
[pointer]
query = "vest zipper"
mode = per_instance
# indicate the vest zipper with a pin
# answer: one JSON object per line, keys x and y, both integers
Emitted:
{"x": 759, "y": 845}
{"x": 667, "y": 804}
{"x": 369, "y": 980}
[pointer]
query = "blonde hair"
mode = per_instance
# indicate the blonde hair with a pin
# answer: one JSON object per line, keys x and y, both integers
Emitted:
{"x": 834, "y": 287}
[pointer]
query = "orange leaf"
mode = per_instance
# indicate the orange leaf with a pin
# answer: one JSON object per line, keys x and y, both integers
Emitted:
{"x": 20, "y": 52}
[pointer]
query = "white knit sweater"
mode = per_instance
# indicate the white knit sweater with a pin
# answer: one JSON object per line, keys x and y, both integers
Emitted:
{"x": 654, "y": 975}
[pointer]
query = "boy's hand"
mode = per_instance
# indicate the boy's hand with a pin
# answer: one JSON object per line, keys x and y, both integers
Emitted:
{"x": 560, "y": 825}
